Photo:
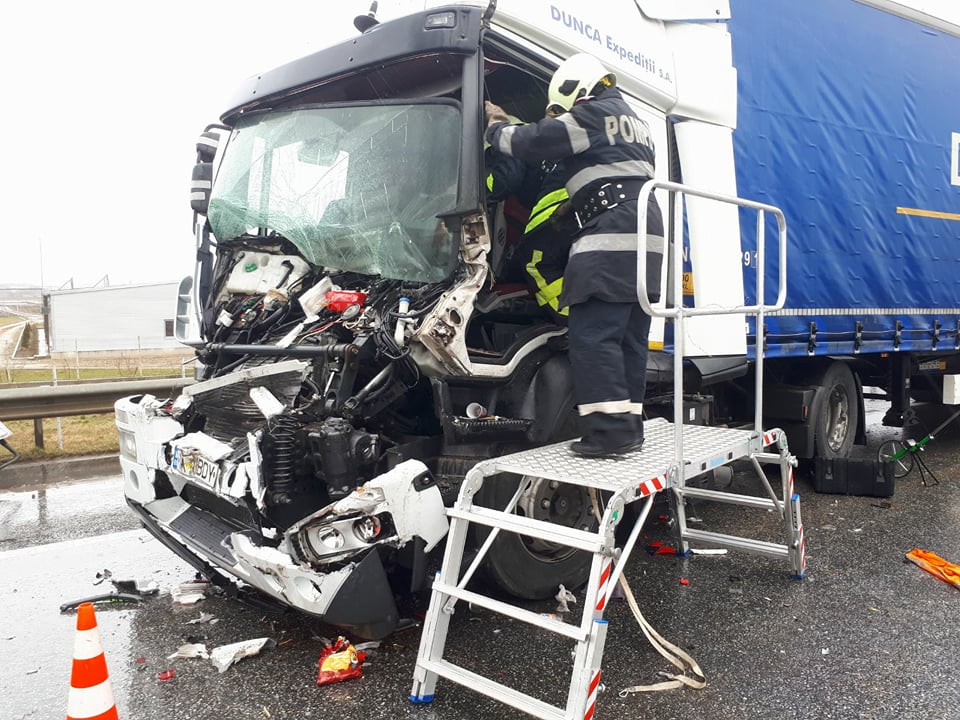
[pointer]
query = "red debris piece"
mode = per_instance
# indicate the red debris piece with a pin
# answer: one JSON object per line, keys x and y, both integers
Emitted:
{"x": 666, "y": 550}
{"x": 165, "y": 675}
{"x": 684, "y": 581}
{"x": 340, "y": 300}
{"x": 339, "y": 661}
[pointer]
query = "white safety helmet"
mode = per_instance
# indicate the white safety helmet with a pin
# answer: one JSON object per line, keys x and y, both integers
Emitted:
{"x": 575, "y": 78}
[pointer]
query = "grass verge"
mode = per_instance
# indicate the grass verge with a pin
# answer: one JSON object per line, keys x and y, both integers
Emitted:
{"x": 81, "y": 435}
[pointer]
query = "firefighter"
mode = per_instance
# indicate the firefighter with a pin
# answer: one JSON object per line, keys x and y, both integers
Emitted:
{"x": 608, "y": 153}
{"x": 546, "y": 242}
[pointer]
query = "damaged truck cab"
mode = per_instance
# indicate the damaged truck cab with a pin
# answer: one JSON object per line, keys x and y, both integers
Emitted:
{"x": 360, "y": 339}
{"x": 345, "y": 313}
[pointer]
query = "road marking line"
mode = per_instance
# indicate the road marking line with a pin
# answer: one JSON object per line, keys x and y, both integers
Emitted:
{"x": 76, "y": 542}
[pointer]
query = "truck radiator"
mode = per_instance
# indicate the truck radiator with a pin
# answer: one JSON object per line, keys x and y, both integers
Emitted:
{"x": 226, "y": 402}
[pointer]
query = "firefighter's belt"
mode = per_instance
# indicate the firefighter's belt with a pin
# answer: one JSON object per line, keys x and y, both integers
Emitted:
{"x": 607, "y": 196}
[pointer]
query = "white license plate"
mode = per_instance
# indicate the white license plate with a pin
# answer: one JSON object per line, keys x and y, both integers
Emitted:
{"x": 192, "y": 465}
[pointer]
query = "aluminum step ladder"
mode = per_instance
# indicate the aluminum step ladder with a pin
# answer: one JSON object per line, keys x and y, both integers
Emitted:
{"x": 673, "y": 454}
{"x": 624, "y": 480}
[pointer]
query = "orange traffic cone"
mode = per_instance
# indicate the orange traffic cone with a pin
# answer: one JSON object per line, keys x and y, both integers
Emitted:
{"x": 91, "y": 697}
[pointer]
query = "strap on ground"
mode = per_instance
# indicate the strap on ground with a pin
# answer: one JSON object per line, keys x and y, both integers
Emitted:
{"x": 677, "y": 657}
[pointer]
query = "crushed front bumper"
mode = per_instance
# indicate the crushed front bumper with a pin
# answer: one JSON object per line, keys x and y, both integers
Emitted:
{"x": 357, "y": 596}
{"x": 346, "y": 586}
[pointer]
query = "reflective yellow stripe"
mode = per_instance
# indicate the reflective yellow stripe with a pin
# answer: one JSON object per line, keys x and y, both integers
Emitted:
{"x": 547, "y": 293}
{"x": 490, "y": 182}
{"x": 539, "y": 279}
{"x": 551, "y": 198}
{"x": 544, "y": 209}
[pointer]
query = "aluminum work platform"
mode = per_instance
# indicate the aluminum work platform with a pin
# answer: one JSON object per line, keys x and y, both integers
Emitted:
{"x": 615, "y": 482}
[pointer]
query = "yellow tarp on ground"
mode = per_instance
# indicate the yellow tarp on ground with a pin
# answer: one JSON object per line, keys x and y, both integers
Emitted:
{"x": 935, "y": 565}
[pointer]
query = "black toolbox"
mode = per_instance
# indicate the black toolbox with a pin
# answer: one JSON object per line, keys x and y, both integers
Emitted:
{"x": 851, "y": 476}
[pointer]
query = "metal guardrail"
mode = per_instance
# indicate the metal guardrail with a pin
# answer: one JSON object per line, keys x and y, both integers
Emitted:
{"x": 24, "y": 403}
{"x": 85, "y": 381}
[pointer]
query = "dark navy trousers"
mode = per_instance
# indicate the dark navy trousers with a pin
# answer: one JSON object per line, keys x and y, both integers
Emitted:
{"x": 608, "y": 356}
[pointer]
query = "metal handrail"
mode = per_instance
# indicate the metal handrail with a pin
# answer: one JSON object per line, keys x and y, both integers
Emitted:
{"x": 679, "y": 312}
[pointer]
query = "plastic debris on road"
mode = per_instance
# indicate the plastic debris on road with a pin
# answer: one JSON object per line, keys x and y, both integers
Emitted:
{"x": 190, "y": 650}
{"x": 166, "y": 675}
{"x": 139, "y": 586}
{"x": 563, "y": 597}
{"x": 340, "y": 661}
{"x": 190, "y": 593}
{"x": 204, "y": 618}
{"x": 226, "y": 655}
{"x": 125, "y": 592}
{"x": 935, "y": 565}
{"x": 113, "y": 598}
{"x": 658, "y": 548}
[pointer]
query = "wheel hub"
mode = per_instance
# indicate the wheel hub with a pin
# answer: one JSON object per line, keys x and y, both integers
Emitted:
{"x": 838, "y": 418}
{"x": 557, "y": 503}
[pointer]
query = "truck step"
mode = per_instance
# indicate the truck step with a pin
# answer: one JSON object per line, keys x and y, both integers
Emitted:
{"x": 205, "y": 532}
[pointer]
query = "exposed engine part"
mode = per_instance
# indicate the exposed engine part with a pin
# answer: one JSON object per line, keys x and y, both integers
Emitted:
{"x": 260, "y": 272}
{"x": 280, "y": 448}
{"x": 267, "y": 402}
{"x": 370, "y": 389}
{"x": 340, "y": 451}
{"x": 402, "y": 309}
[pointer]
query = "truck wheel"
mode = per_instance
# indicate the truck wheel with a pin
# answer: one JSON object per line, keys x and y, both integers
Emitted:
{"x": 835, "y": 412}
{"x": 530, "y": 568}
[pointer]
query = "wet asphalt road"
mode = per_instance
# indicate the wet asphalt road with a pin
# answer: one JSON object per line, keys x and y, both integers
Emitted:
{"x": 865, "y": 635}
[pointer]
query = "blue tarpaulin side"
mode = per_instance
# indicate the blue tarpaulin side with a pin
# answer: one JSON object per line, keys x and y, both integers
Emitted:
{"x": 846, "y": 120}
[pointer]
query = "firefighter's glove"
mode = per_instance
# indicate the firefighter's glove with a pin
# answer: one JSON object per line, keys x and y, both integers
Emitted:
{"x": 495, "y": 113}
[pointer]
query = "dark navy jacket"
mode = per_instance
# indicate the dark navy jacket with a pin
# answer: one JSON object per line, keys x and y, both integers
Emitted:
{"x": 600, "y": 140}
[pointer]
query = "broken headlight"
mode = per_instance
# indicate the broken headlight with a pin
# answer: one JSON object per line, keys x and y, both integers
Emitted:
{"x": 367, "y": 528}
{"x": 326, "y": 541}
{"x": 128, "y": 445}
{"x": 330, "y": 538}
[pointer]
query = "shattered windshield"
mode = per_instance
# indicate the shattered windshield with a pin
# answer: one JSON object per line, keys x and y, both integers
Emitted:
{"x": 353, "y": 187}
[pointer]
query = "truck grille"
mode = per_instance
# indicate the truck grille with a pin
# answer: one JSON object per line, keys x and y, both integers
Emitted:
{"x": 226, "y": 403}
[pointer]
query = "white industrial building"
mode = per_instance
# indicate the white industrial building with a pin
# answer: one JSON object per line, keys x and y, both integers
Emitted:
{"x": 109, "y": 319}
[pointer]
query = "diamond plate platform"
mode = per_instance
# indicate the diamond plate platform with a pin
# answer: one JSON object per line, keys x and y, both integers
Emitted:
{"x": 704, "y": 448}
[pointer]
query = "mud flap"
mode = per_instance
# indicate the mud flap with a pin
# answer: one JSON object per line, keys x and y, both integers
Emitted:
{"x": 364, "y": 604}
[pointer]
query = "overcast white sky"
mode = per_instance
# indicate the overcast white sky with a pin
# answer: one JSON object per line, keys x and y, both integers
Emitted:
{"x": 102, "y": 105}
